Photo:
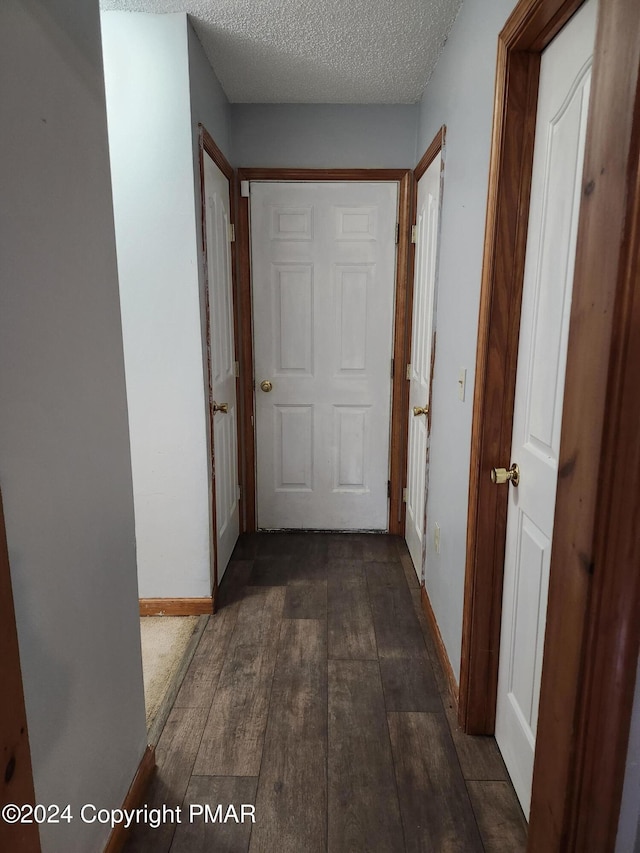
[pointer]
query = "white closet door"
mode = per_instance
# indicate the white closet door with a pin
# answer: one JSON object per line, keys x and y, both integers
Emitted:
{"x": 222, "y": 361}
{"x": 323, "y": 276}
{"x": 544, "y": 329}
{"x": 422, "y": 329}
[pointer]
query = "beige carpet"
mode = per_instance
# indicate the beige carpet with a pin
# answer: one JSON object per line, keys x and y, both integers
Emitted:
{"x": 164, "y": 643}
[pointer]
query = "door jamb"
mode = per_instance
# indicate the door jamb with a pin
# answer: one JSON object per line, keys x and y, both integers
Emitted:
{"x": 17, "y": 773}
{"x": 399, "y": 403}
{"x": 207, "y": 144}
{"x": 592, "y": 635}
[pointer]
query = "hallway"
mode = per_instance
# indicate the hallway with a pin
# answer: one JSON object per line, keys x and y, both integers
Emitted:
{"x": 316, "y": 695}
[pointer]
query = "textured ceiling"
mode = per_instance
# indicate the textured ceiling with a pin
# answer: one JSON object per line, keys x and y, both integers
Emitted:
{"x": 331, "y": 51}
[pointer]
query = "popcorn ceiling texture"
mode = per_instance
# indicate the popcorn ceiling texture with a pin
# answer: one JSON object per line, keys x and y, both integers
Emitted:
{"x": 332, "y": 51}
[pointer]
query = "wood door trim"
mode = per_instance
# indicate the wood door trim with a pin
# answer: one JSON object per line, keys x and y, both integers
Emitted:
{"x": 494, "y": 390}
{"x": 134, "y": 799}
{"x": 591, "y": 644}
{"x": 437, "y": 145}
{"x": 246, "y": 361}
{"x": 207, "y": 144}
{"x": 16, "y": 771}
{"x": 591, "y": 641}
{"x": 400, "y": 389}
{"x": 605, "y": 714}
{"x": 253, "y": 174}
{"x": 176, "y": 606}
{"x": 399, "y": 423}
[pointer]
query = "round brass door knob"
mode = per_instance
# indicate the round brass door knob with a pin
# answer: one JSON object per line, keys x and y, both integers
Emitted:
{"x": 506, "y": 475}
{"x": 221, "y": 407}
{"x": 420, "y": 410}
{"x": 266, "y": 386}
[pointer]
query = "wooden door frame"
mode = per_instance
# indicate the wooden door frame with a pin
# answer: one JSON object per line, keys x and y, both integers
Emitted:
{"x": 592, "y": 634}
{"x": 16, "y": 770}
{"x": 399, "y": 402}
{"x": 207, "y": 144}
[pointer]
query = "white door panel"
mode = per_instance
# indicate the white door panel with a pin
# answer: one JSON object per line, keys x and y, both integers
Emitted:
{"x": 323, "y": 275}
{"x": 222, "y": 360}
{"x": 544, "y": 329}
{"x": 424, "y": 291}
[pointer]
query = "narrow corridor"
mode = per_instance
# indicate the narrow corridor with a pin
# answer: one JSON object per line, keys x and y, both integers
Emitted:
{"x": 316, "y": 695}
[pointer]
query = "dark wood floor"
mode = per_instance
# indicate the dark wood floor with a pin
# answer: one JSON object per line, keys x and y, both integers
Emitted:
{"x": 317, "y": 696}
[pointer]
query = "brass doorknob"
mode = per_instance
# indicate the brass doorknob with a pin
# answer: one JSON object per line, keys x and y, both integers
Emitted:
{"x": 221, "y": 407}
{"x": 266, "y": 386}
{"x": 420, "y": 410}
{"x": 502, "y": 475}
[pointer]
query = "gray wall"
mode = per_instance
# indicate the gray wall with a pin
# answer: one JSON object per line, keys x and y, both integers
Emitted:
{"x": 209, "y": 104}
{"x": 65, "y": 467}
{"x": 324, "y": 136}
{"x": 209, "y": 107}
{"x": 146, "y": 62}
{"x": 460, "y": 95}
{"x": 628, "y": 840}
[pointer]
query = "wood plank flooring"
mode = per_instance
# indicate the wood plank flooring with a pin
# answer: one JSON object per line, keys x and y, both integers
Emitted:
{"x": 316, "y": 698}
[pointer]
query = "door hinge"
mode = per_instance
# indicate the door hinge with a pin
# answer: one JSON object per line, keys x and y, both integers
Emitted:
{"x": 239, "y": 493}
{"x": 414, "y": 233}
{"x": 388, "y": 488}
{"x": 232, "y": 233}
{"x": 236, "y": 368}
{"x": 245, "y": 190}
{"x": 408, "y": 371}
{"x": 397, "y": 233}
{"x": 393, "y": 364}
{"x": 404, "y": 496}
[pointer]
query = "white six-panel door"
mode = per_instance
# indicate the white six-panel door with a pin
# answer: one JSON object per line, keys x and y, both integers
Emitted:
{"x": 323, "y": 275}
{"x": 422, "y": 328}
{"x": 222, "y": 360}
{"x": 551, "y": 242}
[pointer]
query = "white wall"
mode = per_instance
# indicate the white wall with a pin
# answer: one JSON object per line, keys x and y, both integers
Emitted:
{"x": 324, "y": 136}
{"x": 65, "y": 468}
{"x": 151, "y": 145}
{"x": 460, "y": 95}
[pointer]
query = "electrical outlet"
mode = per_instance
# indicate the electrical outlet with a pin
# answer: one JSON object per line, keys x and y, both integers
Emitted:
{"x": 436, "y": 537}
{"x": 462, "y": 383}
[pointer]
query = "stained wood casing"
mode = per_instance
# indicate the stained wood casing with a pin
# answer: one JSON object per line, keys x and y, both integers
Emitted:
{"x": 399, "y": 405}
{"x": 16, "y": 776}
